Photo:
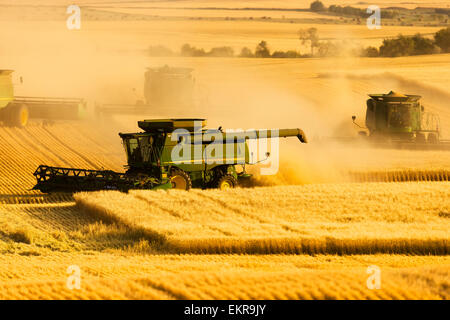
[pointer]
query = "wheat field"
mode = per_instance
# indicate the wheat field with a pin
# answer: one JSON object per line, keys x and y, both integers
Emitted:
{"x": 131, "y": 276}
{"x": 308, "y": 232}
{"x": 313, "y": 241}
{"x": 308, "y": 219}
{"x": 304, "y": 235}
{"x": 38, "y": 242}
{"x": 61, "y": 145}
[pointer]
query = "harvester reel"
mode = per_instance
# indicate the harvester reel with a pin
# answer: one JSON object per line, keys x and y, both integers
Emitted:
{"x": 180, "y": 179}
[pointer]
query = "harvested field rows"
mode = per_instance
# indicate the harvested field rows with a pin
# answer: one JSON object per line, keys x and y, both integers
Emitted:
{"x": 49, "y": 228}
{"x": 67, "y": 145}
{"x": 34, "y": 198}
{"x": 400, "y": 176}
{"x": 129, "y": 276}
{"x": 327, "y": 218}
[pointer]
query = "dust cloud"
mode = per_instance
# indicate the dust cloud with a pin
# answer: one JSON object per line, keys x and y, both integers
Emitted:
{"x": 104, "y": 66}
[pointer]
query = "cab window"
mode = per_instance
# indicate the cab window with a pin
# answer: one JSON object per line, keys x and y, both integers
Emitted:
{"x": 133, "y": 150}
{"x": 400, "y": 116}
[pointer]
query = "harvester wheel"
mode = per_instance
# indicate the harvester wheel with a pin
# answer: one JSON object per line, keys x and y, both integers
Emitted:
{"x": 432, "y": 138}
{"x": 420, "y": 138}
{"x": 18, "y": 115}
{"x": 180, "y": 179}
{"x": 227, "y": 181}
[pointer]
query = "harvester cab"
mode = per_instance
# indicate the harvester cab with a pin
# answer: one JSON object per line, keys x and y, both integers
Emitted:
{"x": 11, "y": 114}
{"x": 398, "y": 117}
{"x": 16, "y": 111}
{"x": 169, "y": 153}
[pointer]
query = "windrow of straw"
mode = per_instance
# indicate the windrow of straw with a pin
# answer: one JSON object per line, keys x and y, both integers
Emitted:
{"x": 400, "y": 175}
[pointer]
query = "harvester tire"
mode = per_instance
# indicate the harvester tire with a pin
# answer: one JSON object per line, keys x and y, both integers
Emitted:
{"x": 17, "y": 116}
{"x": 432, "y": 138}
{"x": 227, "y": 181}
{"x": 420, "y": 138}
{"x": 180, "y": 179}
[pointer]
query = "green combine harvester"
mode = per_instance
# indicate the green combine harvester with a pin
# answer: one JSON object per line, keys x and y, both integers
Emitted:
{"x": 204, "y": 158}
{"x": 16, "y": 111}
{"x": 159, "y": 85}
{"x": 401, "y": 121}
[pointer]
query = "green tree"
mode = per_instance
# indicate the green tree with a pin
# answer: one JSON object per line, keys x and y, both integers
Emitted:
{"x": 262, "y": 50}
{"x": 286, "y": 54}
{"x": 317, "y": 6}
{"x": 442, "y": 39}
{"x": 423, "y": 45}
{"x": 309, "y": 36}
{"x": 401, "y": 46}
{"x": 189, "y": 51}
{"x": 407, "y": 46}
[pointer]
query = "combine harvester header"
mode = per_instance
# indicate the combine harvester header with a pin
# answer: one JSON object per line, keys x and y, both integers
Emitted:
{"x": 15, "y": 111}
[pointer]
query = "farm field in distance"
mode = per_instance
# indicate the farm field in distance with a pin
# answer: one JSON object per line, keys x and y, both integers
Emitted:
{"x": 308, "y": 232}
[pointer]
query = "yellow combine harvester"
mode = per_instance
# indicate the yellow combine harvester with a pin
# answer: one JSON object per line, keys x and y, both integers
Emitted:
{"x": 16, "y": 111}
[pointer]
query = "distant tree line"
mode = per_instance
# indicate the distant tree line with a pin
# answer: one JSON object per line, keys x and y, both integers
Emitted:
{"x": 396, "y": 47}
{"x": 190, "y": 51}
{"x": 412, "y": 45}
{"x": 442, "y": 11}
{"x": 261, "y": 51}
{"x": 351, "y": 11}
{"x": 318, "y": 6}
